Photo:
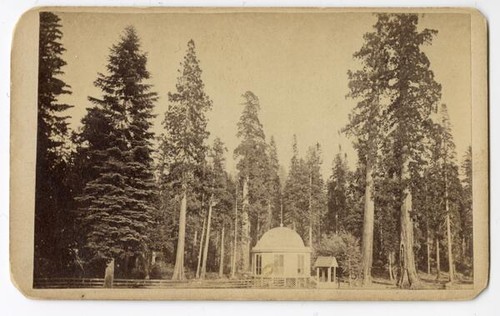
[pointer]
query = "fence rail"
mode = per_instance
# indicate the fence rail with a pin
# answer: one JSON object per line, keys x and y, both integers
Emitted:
{"x": 64, "y": 283}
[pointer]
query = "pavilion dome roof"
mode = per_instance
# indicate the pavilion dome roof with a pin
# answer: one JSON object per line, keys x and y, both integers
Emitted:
{"x": 280, "y": 239}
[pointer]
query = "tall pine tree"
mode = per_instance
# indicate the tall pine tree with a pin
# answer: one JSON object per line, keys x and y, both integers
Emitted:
{"x": 52, "y": 220}
{"x": 316, "y": 207}
{"x": 296, "y": 194}
{"x": 414, "y": 94}
{"x": 467, "y": 237}
{"x": 446, "y": 183}
{"x": 369, "y": 87}
{"x": 184, "y": 143}
{"x": 274, "y": 187}
{"x": 222, "y": 199}
{"x": 396, "y": 81}
{"x": 337, "y": 196}
{"x": 252, "y": 166}
{"x": 117, "y": 205}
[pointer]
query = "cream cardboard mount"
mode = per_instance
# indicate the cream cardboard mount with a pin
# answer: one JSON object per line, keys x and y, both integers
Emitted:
{"x": 249, "y": 154}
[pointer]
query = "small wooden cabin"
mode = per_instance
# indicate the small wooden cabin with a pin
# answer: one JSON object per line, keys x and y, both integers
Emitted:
{"x": 281, "y": 252}
{"x": 326, "y": 269}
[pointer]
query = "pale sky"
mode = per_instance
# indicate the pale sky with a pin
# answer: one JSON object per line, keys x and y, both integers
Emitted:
{"x": 295, "y": 63}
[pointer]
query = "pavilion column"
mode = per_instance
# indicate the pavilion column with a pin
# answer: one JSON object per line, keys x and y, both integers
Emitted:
{"x": 317, "y": 275}
{"x": 254, "y": 265}
{"x": 334, "y": 274}
{"x": 329, "y": 274}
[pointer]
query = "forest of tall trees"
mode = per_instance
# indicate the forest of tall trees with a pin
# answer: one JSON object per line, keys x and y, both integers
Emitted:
{"x": 167, "y": 207}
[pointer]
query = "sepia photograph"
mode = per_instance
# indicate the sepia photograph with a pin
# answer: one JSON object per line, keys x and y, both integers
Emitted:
{"x": 306, "y": 153}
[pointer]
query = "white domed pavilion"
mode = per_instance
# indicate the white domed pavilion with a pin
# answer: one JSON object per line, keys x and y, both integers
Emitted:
{"x": 281, "y": 252}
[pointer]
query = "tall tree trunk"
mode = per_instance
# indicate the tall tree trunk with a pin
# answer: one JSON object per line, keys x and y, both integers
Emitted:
{"x": 349, "y": 273}
{"x": 245, "y": 229}
{"x": 336, "y": 223}
{"x": 195, "y": 238}
{"x": 390, "y": 257}
{"x": 235, "y": 241}
{"x": 450, "y": 248}
{"x": 448, "y": 229}
{"x": 207, "y": 239}
{"x": 448, "y": 215}
{"x": 409, "y": 276}
{"x": 368, "y": 224}
{"x": 269, "y": 216}
{"x": 428, "y": 245}
{"x": 179, "y": 258}
{"x": 428, "y": 234}
{"x": 221, "y": 261}
{"x": 310, "y": 211}
{"x": 464, "y": 247}
{"x": 200, "y": 250}
{"x": 438, "y": 260}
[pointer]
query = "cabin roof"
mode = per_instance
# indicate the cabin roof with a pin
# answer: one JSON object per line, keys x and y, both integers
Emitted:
{"x": 326, "y": 262}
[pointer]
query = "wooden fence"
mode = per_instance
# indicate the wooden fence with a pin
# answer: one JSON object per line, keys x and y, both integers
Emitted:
{"x": 65, "y": 283}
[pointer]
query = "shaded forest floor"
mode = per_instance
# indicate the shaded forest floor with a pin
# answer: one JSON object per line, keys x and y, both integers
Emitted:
{"x": 428, "y": 282}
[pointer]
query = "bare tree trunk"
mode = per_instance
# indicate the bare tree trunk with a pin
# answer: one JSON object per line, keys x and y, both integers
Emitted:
{"x": 235, "y": 241}
{"x": 245, "y": 229}
{"x": 179, "y": 258}
{"x": 450, "y": 248}
{"x": 438, "y": 260}
{"x": 207, "y": 239}
{"x": 269, "y": 215}
{"x": 221, "y": 261}
{"x": 200, "y": 250}
{"x": 349, "y": 274}
{"x": 390, "y": 258}
{"x": 448, "y": 229}
{"x": 409, "y": 276}
{"x": 195, "y": 238}
{"x": 428, "y": 244}
{"x": 146, "y": 262}
{"x": 448, "y": 216}
{"x": 368, "y": 223}
{"x": 310, "y": 211}
{"x": 464, "y": 247}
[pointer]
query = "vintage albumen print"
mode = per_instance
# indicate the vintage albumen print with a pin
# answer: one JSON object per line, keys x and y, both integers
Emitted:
{"x": 250, "y": 154}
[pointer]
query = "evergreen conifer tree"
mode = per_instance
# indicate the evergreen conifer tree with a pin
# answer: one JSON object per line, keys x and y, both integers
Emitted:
{"x": 116, "y": 206}
{"x": 252, "y": 166}
{"x": 369, "y": 86}
{"x": 296, "y": 194}
{"x": 316, "y": 190}
{"x": 184, "y": 143}
{"x": 274, "y": 187}
{"x": 52, "y": 219}
{"x": 467, "y": 206}
{"x": 337, "y": 196}
{"x": 413, "y": 94}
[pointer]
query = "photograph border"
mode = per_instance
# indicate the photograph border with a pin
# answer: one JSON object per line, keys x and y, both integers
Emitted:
{"x": 24, "y": 62}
